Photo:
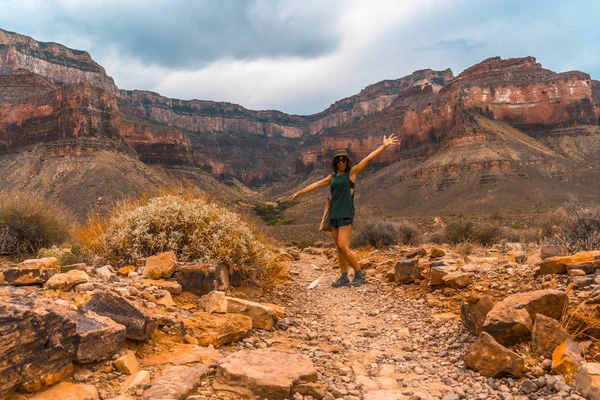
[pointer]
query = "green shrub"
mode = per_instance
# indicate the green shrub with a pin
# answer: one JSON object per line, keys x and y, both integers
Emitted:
{"x": 196, "y": 230}
{"x": 386, "y": 233}
{"x": 304, "y": 243}
{"x": 273, "y": 213}
{"x": 29, "y": 223}
{"x": 64, "y": 254}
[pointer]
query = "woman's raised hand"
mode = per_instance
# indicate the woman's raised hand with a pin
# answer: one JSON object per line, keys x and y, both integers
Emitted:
{"x": 393, "y": 139}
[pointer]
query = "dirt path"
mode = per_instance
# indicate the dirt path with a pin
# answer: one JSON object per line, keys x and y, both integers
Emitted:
{"x": 381, "y": 341}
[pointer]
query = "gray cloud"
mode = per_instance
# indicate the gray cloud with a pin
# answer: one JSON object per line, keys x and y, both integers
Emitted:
{"x": 461, "y": 44}
{"x": 191, "y": 33}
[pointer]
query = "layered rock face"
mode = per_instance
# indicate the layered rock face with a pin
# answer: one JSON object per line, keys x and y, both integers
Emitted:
{"x": 51, "y": 60}
{"x": 518, "y": 92}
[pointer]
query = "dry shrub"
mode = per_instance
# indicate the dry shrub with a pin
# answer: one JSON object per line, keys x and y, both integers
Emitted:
{"x": 486, "y": 233}
{"x": 458, "y": 231}
{"x": 194, "y": 228}
{"x": 28, "y": 223}
{"x": 386, "y": 233}
{"x": 574, "y": 226}
{"x": 437, "y": 237}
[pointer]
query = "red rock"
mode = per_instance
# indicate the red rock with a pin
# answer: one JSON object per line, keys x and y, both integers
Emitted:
{"x": 587, "y": 381}
{"x": 45, "y": 357}
{"x": 547, "y": 335}
{"x": 491, "y": 359}
{"x": 160, "y": 266}
{"x": 474, "y": 312}
{"x": 139, "y": 324}
{"x": 511, "y": 319}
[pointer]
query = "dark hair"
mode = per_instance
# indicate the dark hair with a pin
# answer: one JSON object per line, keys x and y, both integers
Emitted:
{"x": 348, "y": 164}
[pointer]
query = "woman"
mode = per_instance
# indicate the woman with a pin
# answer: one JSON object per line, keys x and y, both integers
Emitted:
{"x": 341, "y": 183}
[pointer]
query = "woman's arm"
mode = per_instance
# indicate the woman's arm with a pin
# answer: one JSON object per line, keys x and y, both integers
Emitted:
{"x": 323, "y": 182}
{"x": 365, "y": 161}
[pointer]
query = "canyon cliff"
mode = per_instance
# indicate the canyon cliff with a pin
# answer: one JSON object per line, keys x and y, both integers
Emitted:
{"x": 498, "y": 121}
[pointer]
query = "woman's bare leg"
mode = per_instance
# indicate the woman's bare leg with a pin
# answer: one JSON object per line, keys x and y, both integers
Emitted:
{"x": 342, "y": 242}
{"x": 341, "y": 257}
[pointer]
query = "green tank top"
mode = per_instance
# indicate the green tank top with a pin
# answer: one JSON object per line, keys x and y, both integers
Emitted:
{"x": 342, "y": 201}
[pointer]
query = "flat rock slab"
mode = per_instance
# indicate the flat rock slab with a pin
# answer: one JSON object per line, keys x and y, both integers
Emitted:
{"x": 560, "y": 264}
{"x": 37, "y": 345}
{"x": 216, "y": 329}
{"x": 263, "y": 317}
{"x": 180, "y": 354}
{"x": 175, "y": 383}
{"x": 547, "y": 335}
{"x": 269, "y": 373}
{"x": 68, "y": 391}
{"x": 474, "y": 312}
{"x": 139, "y": 324}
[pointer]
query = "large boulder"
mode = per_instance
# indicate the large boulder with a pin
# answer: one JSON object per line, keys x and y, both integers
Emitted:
{"x": 139, "y": 324}
{"x": 176, "y": 383}
{"x": 510, "y": 321}
{"x": 263, "y": 317}
{"x": 587, "y": 381}
{"x": 68, "y": 280}
{"x": 407, "y": 271}
{"x": 491, "y": 359}
{"x": 560, "y": 264}
{"x": 198, "y": 279}
{"x": 162, "y": 265}
{"x": 99, "y": 337}
{"x": 547, "y": 335}
{"x": 268, "y": 373}
{"x": 40, "y": 263}
{"x": 37, "y": 345}
{"x": 216, "y": 329}
{"x": 474, "y": 312}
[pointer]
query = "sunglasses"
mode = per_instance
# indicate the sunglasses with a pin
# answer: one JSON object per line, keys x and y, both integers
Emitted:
{"x": 341, "y": 160}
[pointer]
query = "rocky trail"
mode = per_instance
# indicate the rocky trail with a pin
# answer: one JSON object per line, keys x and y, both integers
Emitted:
{"x": 430, "y": 324}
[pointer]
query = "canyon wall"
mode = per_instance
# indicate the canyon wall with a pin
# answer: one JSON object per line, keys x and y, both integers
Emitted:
{"x": 51, "y": 60}
{"x": 518, "y": 92}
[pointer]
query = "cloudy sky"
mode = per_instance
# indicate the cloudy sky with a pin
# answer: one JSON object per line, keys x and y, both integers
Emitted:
{"x": 299, "y": 56}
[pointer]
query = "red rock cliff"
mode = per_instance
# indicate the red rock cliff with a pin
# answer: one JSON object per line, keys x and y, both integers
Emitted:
{"x": 51, "y": 60}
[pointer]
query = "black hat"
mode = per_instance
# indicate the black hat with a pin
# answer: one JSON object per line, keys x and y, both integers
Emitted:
{"x": 338, "y": 153}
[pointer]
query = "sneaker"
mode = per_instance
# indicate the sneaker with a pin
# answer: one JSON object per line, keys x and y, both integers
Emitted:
{"x": 342, "y": 281}
{"x": 359, "y": 279}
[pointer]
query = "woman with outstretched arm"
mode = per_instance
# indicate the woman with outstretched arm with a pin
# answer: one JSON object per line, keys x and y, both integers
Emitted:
{"x": 341, "y": 183}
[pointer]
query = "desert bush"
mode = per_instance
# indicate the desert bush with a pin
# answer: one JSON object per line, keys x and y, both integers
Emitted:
{"x": 64, "y": 254}
{"x": 29, "y": 223}
{"x": 194, "y": 228}
{"x": 386, "y": 233}
{"x": 437, "y": 237}
{"x": 486, "y": 233}
{"x": 578, "y": 227}
{"x": 458, "y": 231}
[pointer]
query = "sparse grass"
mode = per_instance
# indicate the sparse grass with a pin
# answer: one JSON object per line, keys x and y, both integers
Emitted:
{"x": 29, "y": 223}
{"x": 195, "y": 228}
{"x": 386, "y": 233}
{"x": 304, "y": 243}
{"x": 272, "y": 213}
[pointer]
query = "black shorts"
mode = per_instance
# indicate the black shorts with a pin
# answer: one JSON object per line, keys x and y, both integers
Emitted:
{"x": 337, "y": 222}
